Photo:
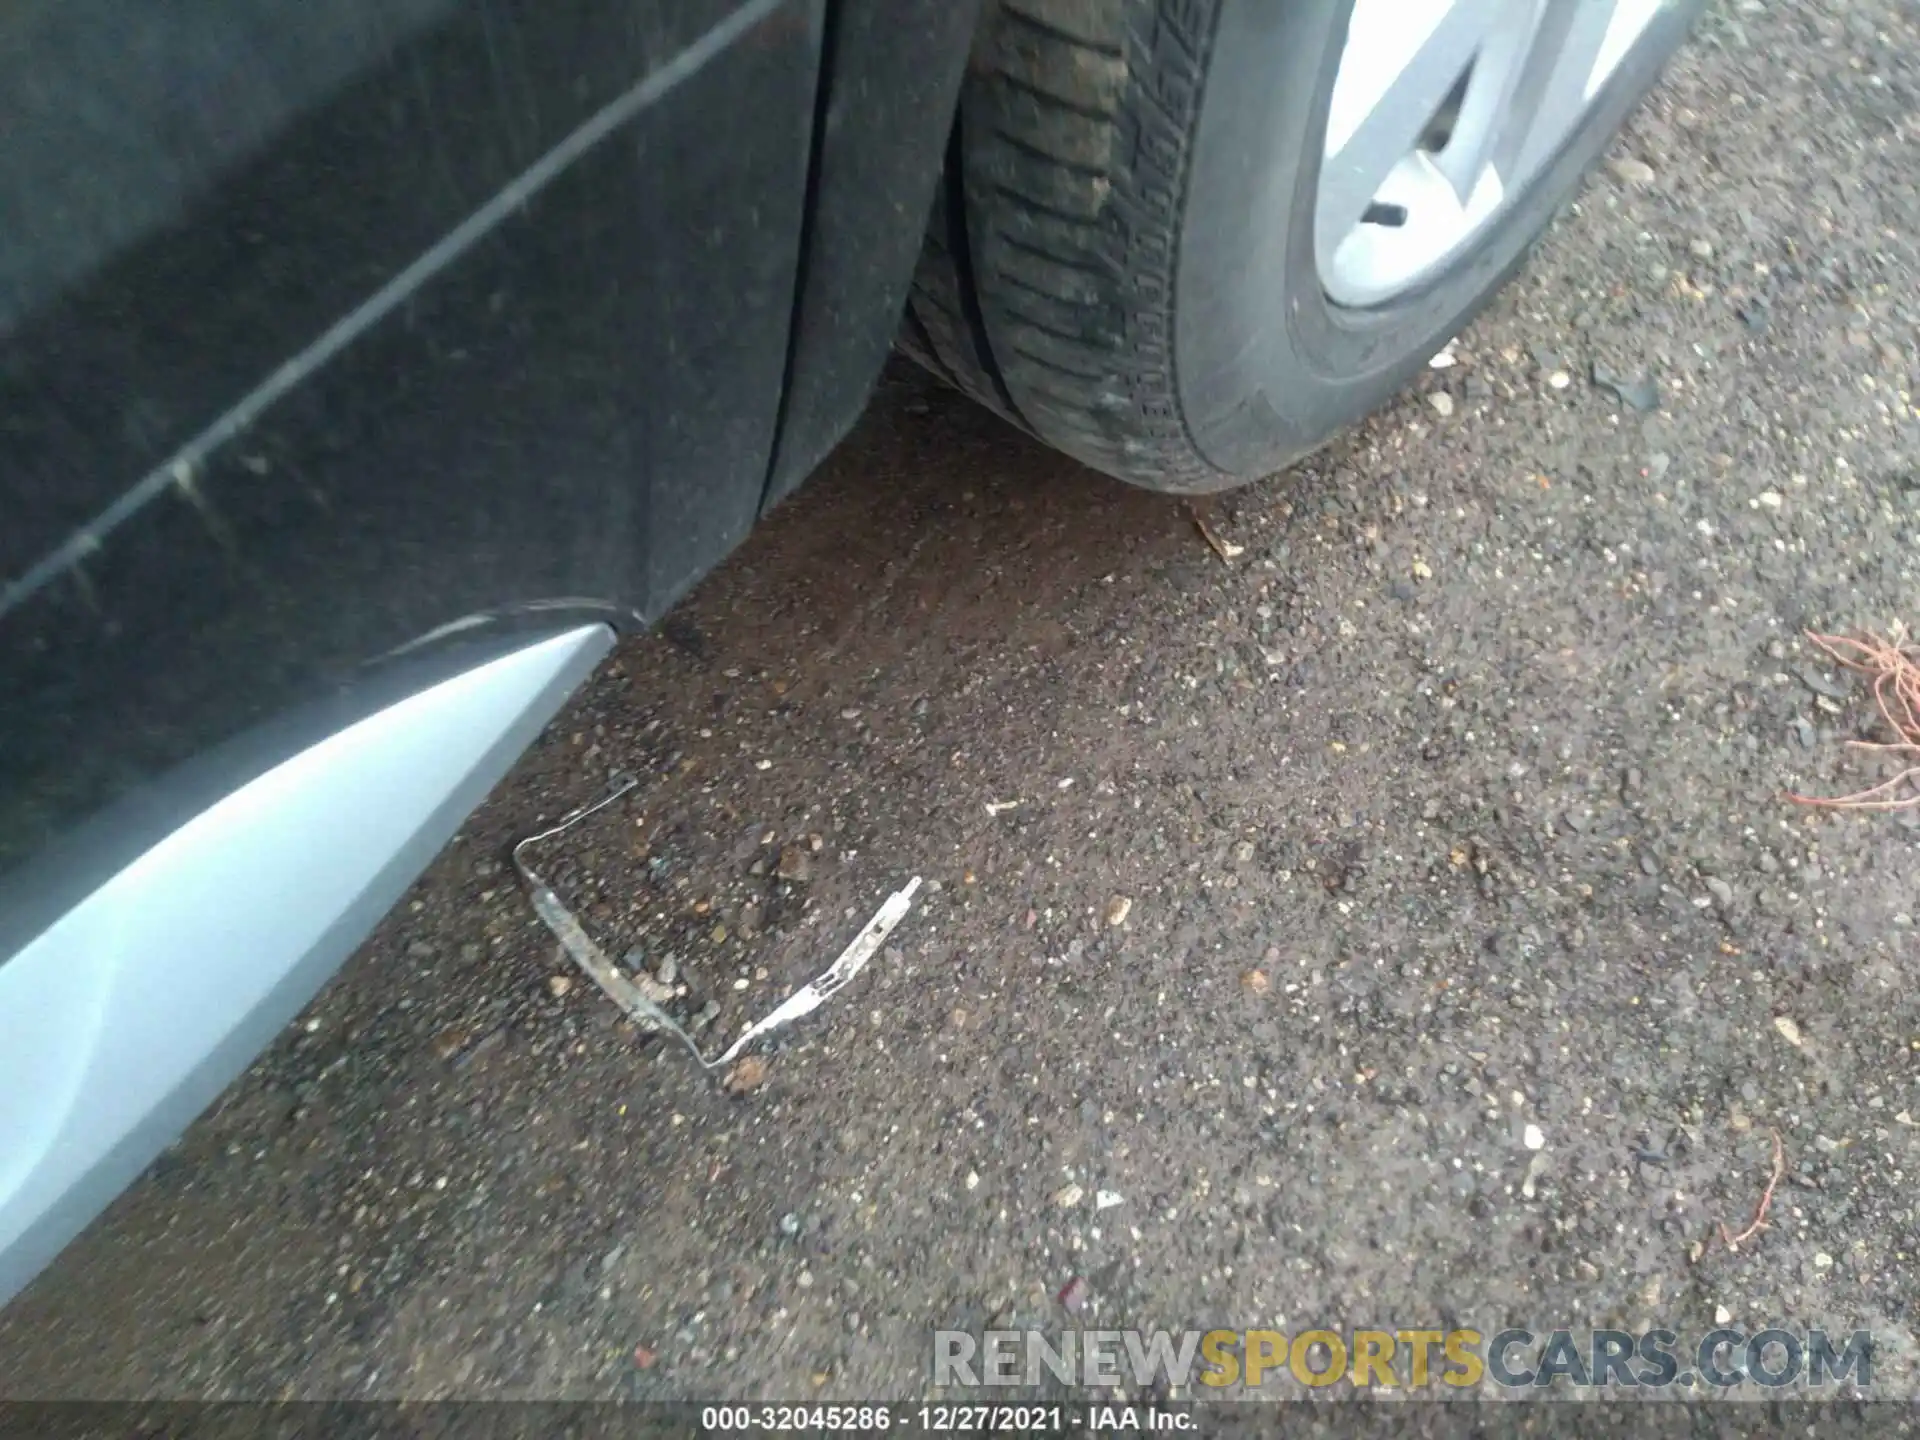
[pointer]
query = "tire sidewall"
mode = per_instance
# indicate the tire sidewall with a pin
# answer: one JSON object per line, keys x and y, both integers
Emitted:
{"x": 1266, "y": 365}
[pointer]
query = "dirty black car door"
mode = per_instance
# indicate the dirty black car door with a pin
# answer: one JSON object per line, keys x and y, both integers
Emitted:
{"x": 340, "y": 342}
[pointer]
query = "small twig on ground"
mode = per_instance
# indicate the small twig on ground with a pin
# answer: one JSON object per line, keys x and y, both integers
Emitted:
{"x": 1895, "y": 668}
{"x": 1766, "y": 1198}
{"x": 1225, "y": 549}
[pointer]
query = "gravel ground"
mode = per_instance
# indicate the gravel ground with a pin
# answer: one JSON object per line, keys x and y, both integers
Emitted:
{"x": 1445, "y": 817}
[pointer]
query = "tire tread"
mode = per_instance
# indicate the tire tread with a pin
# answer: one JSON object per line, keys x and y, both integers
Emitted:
{"x": 1072, "y": 145}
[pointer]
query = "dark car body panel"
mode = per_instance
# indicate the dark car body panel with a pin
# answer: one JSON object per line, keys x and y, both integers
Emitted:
{"x": 886, "y": 101}
{"x": 487, "y": 315}
{"x": 350, "y": 351}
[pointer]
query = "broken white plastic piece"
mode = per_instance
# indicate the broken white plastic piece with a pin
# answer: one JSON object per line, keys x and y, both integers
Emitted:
{"x": 643, "y": 1011}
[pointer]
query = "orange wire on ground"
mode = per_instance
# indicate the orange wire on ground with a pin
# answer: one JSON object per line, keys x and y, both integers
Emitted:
{"x": 1895, "y": 669}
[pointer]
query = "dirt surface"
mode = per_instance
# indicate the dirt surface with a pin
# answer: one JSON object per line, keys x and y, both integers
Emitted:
{"x": 1451, "y": 805}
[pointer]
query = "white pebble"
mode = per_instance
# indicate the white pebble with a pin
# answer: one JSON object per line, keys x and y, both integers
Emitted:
{"x": 1533, "y": 1137}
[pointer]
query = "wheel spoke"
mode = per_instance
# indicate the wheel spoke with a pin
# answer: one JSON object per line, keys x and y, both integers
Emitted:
{"x": 1378, "y": 135}
{"x": 1443, "y": 113}
{"x": 1498, "y": 70}
{"x": 1550, "y": 90}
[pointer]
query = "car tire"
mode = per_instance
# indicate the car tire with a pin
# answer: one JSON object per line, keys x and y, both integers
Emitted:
{"x": 1124, "y": 257}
